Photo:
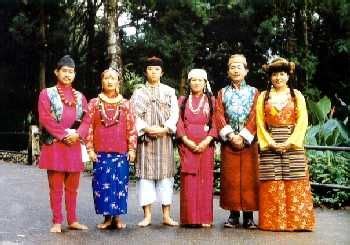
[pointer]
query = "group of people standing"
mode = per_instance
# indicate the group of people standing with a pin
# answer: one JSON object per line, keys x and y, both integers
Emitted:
{"x": 263, "y": 164}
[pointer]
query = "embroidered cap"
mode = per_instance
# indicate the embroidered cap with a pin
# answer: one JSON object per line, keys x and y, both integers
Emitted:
{"x": 198, "y": 73}
{"x": 66, "y": 61}
{"x": 237, "y": 58}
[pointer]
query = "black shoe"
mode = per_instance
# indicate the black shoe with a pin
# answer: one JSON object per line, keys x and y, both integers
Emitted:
{"x": 249, "y": 224}
{"x": 232, "y": 223}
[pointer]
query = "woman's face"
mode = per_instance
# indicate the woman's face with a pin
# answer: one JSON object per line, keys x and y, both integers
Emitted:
{"x": 197, "y": 85}
{"x": 110, "y": 83}
{"x": 279, "y": 79}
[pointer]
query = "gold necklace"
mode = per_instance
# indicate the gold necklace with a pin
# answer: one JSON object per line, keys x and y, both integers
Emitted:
{"x": 115, "y": 100}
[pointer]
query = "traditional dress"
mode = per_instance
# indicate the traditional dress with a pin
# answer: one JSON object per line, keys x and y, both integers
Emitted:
{"x": 285, "y": 200}
{"x": 155, "y": 106}
{"x": 235, "y": 112}
{"x": 196, "y": 195}
{"x": 112, "y": 134}
{"x": 63, "y": 162}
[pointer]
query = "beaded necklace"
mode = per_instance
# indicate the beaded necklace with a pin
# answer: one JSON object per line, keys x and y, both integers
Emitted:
{"x": 105, "y": 119}
{"x": 64, "y": 100}
{"x": 200, "y": 104}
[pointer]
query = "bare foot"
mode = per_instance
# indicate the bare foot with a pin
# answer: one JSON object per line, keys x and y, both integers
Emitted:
{"x": 206, "y": 225}
{"x": 145, "y": 222}
{"x": 170, "y": 222}
{"x": 77, "y": 226}
{"x": 119, "y": 224}
{"x": 105, "y": 225}
{"x": 56, "y": 228}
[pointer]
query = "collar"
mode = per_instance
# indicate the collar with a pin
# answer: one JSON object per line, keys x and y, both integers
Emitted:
{"x": 242, "y": 85}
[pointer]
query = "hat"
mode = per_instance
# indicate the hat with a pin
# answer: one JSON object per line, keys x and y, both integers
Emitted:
{"x": 279, "y": 64}
{"x": 154, "y": 61}
{"x": 66, "y": 61}
{"x": 237, "y": 58}
{"x": 200, "y": 73}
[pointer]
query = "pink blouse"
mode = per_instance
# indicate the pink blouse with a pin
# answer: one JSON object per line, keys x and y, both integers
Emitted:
{"x": 120, "y": 137}
{"x": 59, "y": 156}
{"x": 195, "y": 126}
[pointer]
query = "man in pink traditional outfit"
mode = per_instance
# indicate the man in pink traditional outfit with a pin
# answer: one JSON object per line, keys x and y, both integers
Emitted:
{"x": 61, "y": 110}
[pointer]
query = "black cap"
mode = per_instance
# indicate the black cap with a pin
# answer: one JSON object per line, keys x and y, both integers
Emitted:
{"x": 154, "y": 61}
{"x": 66, "y": 61}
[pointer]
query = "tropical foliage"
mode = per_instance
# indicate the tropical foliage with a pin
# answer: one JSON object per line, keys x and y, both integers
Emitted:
{"x": 328, "y": 167}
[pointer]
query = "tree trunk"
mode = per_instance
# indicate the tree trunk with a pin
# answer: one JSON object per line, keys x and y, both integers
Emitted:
{"x": 91, "y": 9}
{"x": 43, "y": 46}
{"x": 112, "y": 11}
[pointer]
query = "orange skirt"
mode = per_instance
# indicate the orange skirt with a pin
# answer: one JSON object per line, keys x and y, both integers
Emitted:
{"x": 286, "y": 205}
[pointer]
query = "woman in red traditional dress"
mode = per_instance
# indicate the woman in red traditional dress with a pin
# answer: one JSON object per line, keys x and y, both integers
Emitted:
{"x": 111, "y": 146}
{"x": 196, "y": 132}
{"x": 285, "y": 199}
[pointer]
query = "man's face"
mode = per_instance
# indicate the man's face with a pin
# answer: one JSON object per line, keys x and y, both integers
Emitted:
{"x": 65, "y": 75}
{"x": 153, "y": 73}
{"x": 237, "y": 72}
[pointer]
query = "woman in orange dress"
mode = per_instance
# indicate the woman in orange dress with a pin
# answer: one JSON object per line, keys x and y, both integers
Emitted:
{"x": 285, "y": 199}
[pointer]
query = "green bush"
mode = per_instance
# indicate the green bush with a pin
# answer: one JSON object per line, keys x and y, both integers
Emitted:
{"x": 328, "y": 167}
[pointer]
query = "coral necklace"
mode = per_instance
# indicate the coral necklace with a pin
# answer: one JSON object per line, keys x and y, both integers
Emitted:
{"x": 109, "y": 102}
{"x": 64, "y": 100}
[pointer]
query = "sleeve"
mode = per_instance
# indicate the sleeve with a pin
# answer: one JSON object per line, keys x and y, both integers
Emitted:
{"x": 90, "y": 113}
{"x": 174, "y": 113}
{"x": 180, "y": 127}
{"x": 297, "y": 137}
{"x": 83, "y": 129}
{"x": 46, "y": 119}
{"x": 138, "y": 109}
{"x": 131, "y": 127}
{"x": 220, "y": 120}
{"x": 249, "y": 131}
{"x": 264, "y": 137}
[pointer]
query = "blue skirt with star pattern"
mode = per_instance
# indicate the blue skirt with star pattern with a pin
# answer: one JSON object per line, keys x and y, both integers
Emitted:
{"x": 110, "y": 183}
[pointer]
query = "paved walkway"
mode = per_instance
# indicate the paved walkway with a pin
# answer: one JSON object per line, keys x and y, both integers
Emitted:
{"x": 25, "y": 219}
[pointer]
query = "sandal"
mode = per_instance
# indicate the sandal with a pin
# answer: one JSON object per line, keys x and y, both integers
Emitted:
{"x": 231, "y": 223}
{"x": 249, "y": 224}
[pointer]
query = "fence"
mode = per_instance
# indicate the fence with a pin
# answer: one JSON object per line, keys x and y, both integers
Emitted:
{"x": 34, "y": 149}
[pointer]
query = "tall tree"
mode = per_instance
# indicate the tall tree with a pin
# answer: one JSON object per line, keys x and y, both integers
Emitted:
{"x": 112, "y": 12}
{"x": 43, "y": 45}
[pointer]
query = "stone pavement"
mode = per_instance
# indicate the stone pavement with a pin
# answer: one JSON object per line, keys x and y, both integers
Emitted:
{"x": 25, "y": 218}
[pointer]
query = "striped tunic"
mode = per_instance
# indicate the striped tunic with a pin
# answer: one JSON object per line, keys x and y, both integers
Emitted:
{"x": 155, "y": 106}
{"x": 288, "y": 165}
